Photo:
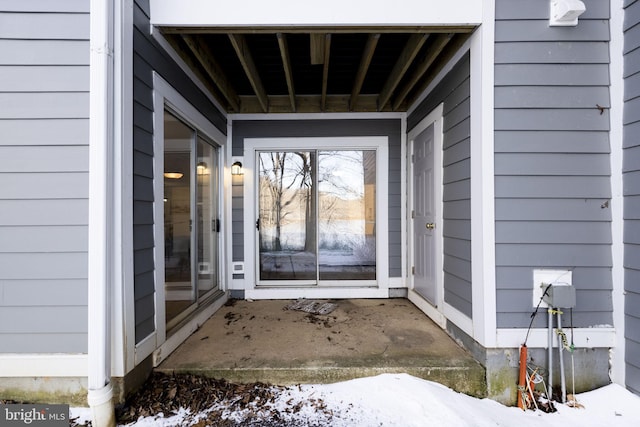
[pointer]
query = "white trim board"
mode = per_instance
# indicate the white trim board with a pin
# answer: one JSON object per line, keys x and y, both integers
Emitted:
{"x": 296, "y": 13}
{"x": 483, "y": 248}
{"x": 43, "y": 365}
{"x": 616, "y": 136}
{"x": 315, "y": 116}
{"x": 123, "y": 307}
{"x": 538, "y": 338}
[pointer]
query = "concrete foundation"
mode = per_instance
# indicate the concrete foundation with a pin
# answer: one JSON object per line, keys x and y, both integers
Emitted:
{"x": 502, "y": 367}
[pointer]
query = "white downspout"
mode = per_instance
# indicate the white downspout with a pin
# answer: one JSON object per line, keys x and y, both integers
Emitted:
{"x": 100, "y": 394}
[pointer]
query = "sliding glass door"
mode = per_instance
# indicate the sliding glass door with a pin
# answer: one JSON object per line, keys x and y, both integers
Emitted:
{"x": 316, "y": 217}
{"x": 191, "y": 221}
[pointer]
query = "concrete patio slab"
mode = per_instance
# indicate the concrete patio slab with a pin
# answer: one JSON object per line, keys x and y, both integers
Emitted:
{"x": 247, "y": 341}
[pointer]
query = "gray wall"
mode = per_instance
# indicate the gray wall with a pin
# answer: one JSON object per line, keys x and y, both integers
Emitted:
{"x": 453, "y": 91}
{"x": 631, "y": 171}
{"x": 327, "y": 128}
{"x": 552, "y": 173}
{"x": 149, "y": 57}
{"x": 44, "y": 133}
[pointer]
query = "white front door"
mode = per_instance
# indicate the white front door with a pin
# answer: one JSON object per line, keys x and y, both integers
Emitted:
{"x": 425, "y": 223}
{"x": 424, "y": 281}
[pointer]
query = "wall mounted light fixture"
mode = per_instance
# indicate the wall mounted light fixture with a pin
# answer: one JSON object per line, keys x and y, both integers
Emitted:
{"x": 236, "y": 169}
{"x": 201, "y": 168}
{"x": 564, "y": 13}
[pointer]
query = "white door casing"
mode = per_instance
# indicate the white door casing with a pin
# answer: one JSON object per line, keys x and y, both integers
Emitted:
{"x": 425, "y": 242}
{"x": 341, "y": 289}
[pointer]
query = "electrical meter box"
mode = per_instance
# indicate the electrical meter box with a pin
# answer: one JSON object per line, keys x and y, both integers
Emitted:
{"x": 561, "y": 296}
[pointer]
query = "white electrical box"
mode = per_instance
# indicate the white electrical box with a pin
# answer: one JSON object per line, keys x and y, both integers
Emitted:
{"x": 543, "y": 277}
{"x": 237, "y": 268}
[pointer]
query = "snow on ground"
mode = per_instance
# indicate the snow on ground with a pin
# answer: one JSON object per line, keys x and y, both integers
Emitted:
{"x": 403, "y": 400}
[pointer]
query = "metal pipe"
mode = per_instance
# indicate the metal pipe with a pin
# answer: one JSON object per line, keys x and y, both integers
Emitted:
{"x": 550, "y": 351}
{"x": 563, "y": 385}
{"x": 100, "y": 390}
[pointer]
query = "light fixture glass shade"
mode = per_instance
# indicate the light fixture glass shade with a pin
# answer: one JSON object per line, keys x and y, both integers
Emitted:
{"x": 173, "y": 175}
{"x": 236, "y": 168}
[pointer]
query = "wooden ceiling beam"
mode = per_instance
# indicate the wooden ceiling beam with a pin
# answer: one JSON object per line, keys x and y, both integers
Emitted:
{"x": 409, "y": 52}
{"x": 422, "y": 67}
{"x": 241, "y": 47}
{"x": 286, "y": 65}
{"x": 317, "y": 41}
{"x": 325, "y": 72}
{"x": 365, "y": 61}
{"x": 445, "y": 56}
{"x": 310, "y": 104}
{"x": 205, "y": 56}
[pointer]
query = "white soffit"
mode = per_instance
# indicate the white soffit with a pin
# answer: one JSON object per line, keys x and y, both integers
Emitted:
{"x": 327, "y": 12}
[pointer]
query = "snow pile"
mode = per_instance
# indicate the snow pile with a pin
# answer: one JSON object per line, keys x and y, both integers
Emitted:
{"x": 400, "y": 400}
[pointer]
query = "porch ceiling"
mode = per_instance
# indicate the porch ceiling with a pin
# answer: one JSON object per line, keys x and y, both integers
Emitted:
{"x": 309, "y": 70}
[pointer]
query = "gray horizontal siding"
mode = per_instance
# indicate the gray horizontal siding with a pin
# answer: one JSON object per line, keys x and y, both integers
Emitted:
{"x": 149, "y": 57}
{"x": 70, "y": 6}
{"x": 45, "y": 78}
{"x": 47, "y": 26}
{"x": 44, "y": 111}
{"x": 552, "y": 169}
{"x": 326, "y": 128}
{"x": 454, "y": 92}
{"x": 631, "y": 172}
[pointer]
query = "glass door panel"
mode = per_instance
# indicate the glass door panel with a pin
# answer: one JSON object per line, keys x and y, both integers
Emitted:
{"x": 286, "y": 216}
{"x": 316, "y": 217}
{"x": 207, "y": 224}
{"x": 179, "y": 291}
{"x": 347, "y": 215}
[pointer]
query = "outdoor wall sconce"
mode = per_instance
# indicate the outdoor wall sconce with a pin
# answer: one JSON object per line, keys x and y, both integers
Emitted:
{"x": 564, "y": 13}
{"x": 201, "y": 168}
{"x": 236, "y": 169}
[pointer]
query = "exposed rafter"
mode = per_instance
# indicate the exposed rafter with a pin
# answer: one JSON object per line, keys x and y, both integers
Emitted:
{"x": 317, "y": 42}
{"x": 411, "y": 49}
{"x": 456, "y": 43}
{"x": 365, "y": 61}
{"x": 435, "y": 50}
{"x": 207, "y": 60}
{"x": 359, "y": 69}
{"x": 241, "y": 47}
{"x": 325, "y": 72}
{"x": 286, "y": 65}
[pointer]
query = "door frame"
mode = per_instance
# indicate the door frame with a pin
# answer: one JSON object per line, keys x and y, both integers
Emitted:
{"x": 158, "y": 342}
{"x": 435, "y": 118}
{"x": 352, "y": 289}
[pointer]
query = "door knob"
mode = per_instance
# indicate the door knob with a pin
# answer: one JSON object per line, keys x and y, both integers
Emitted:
{"x": 430, "y": 226}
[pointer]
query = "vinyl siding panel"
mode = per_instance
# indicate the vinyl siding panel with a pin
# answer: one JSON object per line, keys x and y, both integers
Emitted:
{"x": 631, "y": 184}
{"x": 454, "y": 92}
{"x": 44, "y": 132}
{"x": 44, "y": 110}
{"x": 47, "y": 26}
{"x": 149, "y": 57}
{"x": 326, "y": 128}
{"x": 552, "y": 168}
